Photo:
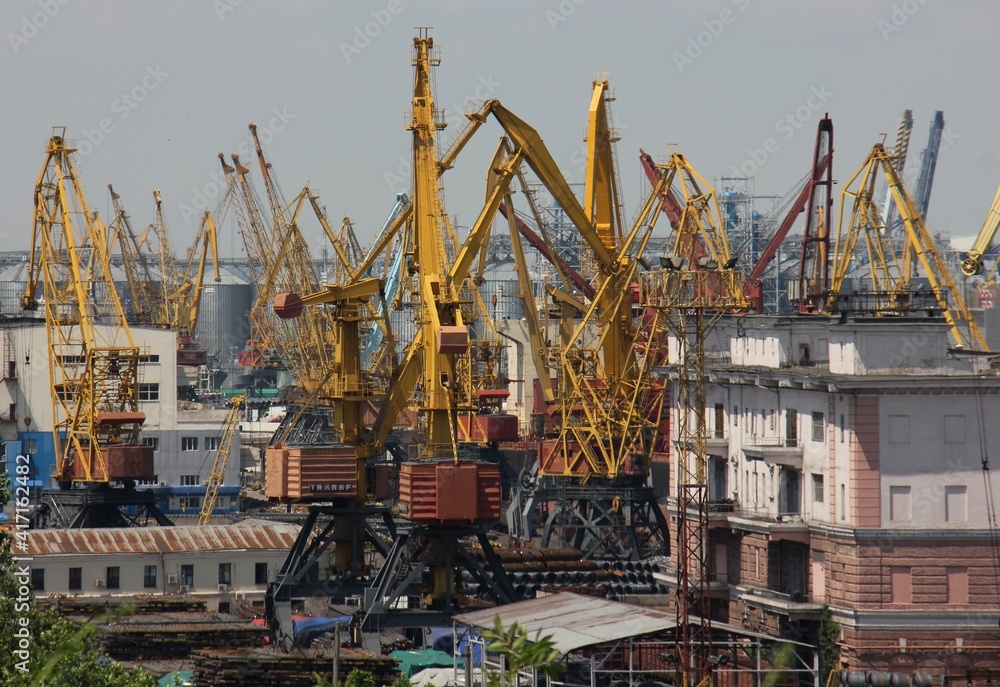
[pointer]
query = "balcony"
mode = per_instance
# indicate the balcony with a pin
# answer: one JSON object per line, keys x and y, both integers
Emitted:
{"x": 796, "y": 606}
{"x": 781, "y": 526}
{"x": 774, "y": 451}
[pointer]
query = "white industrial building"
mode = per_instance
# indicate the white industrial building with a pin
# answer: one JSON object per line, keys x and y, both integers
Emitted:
{"x": 185, "y": 436}
{"x": 218, "y": 563}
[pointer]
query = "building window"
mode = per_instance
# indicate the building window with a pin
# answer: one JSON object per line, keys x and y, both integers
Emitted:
{"x": 956, "y": 503}
{"x": 958, "y": 585}
{"x": 190, "y": 480}
{"x": 899, "y": 503}
{"x": 842, "y": 428}
{"x": 189, "y": 502}
{"x": 149, "y": 358}
{"x": 38, "y": 579}
{"x": 149, "y": 392}
{"x": 224, "y": 607}
{"x": 30, "y": 446}
{"x": 791, "y": 427}
{"x": 720, "y": 420}
{"x": 63, "y": 393}
{"x": 152, "y": 441}
{"x": 817, "y": 488}
{"x": 211, "y": 443}
{"x": 187, "y": 575}
{"x": 817, "y": 427}
{"x": 149, "y": 577}
{"x": 902, "y": 584}
{"x": 189, "y": 443}
{"x": 113, "y": 578}
{"x": 225, "y": 573}
{"x": 954, "y": 429}
{"x": 899, "y": 429}
{"x": 736, "y": 416}
{"x": 260, "y": 573}
{"x": 75, "y": 579}
{"x": 843, "y": 502}
{"x": 148, "y": 482}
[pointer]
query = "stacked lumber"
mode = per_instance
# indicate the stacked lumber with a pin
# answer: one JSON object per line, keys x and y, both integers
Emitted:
{"x": 160, "y": 636}
{"x": 142, "y": 603}
{"x": 271, "y": 668}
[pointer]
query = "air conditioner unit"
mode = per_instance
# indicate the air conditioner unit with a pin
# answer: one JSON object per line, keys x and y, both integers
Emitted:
{"x": 224, "y": 588}
{"x": 241, "y": 596}
{"x": 172, "y": 578}
{"x": 185, "y": 588}
{"x": 99, "y": 583}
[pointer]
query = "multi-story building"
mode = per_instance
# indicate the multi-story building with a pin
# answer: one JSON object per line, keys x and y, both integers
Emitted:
{"x": 847, "y": 465}
{"x": 185, "y": 437}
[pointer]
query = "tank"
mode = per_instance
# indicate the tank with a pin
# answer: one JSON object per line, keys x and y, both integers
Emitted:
{"x": 223, "y": 323}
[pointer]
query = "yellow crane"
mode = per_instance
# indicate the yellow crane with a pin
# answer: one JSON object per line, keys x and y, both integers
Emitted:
{"x": 142, "y": 284}
{"x": 93, "y": 358}
{"x": 891, "y": 276}
{"x": 973, "y": 263}
{"x": 218, "y": 474}
{"x": 691, "y": 294}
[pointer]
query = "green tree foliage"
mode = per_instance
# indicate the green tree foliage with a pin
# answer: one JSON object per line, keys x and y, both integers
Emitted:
{"x": 356, "y": 678}
{"x": 829, "y": 651}
{"x": 521, "y": 653}
{"x": 58, "y": 653}
{"x": 359, "y": 678}
{"x": 402, "y": 681}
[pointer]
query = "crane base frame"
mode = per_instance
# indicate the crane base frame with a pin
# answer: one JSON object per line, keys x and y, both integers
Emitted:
{"x": 415, "y": 551}
{"x": 605, "y": 521}
{"x": 99, "y": 505}
{"x": 298, "y": 575}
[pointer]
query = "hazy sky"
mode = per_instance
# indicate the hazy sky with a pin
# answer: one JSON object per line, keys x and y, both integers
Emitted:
{"x": 175, "y": 82}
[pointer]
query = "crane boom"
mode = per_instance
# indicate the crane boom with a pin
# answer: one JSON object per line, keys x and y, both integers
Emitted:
{"x": 218, "y": 474}
{"x": 973, "y": 263}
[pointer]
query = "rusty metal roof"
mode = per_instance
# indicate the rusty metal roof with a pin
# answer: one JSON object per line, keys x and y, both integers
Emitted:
{"x": 576, "y": 621}
{"x": 246, "y": 536}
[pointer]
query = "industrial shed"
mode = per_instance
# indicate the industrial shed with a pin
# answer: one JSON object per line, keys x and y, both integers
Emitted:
{"x": 611, "y": 643}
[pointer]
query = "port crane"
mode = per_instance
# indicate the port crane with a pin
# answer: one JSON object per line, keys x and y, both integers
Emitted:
{"x": 592, "y": 470}
{"x": 218, "y": 474}
{"x": 892, "y": 293}
{"x": 691, "y": 294}
{"x": 93, "y": 358}
{"x": 445, "y": 495}
{"x": 972, "y": 265}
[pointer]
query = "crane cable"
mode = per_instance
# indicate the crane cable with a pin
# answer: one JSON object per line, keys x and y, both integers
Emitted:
{"x": 991, "y": 512}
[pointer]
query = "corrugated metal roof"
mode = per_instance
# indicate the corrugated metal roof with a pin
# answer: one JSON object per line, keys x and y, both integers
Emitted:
{"x": 252, "y": 536}
{"x": 573, "y": 620}
{"x": 576, "y": 621}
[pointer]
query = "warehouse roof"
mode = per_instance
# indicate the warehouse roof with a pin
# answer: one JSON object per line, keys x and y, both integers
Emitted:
{"x": 575, "y": 621}
{"x": 246, "y": 536}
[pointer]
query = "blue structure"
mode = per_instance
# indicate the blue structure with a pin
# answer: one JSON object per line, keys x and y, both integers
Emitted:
{"x": 40, "y": 450}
